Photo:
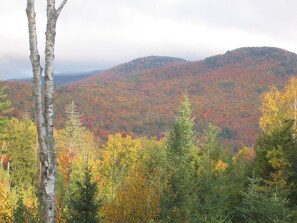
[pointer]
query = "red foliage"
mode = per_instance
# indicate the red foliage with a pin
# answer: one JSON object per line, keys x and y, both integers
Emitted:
{"x": 142, "y": 97}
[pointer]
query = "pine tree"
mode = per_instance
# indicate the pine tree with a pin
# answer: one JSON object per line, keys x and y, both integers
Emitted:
{"x": 278, "y": 138}
{"x": 182, "y": 136}
{"x": 275, "y": 161}
{"x": 211, "y": 181}
{"x": 178, "y": 202}
{"x": 84, "y": 204}
{"x": 260, "y": 205}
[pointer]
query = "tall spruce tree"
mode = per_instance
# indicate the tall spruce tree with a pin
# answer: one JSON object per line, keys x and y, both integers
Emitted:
{"x": 84, "y": 204}
{"x": 260, "y": 205}
{"x": 178, "y": 202}
{"x": 275, "y": 161}
{"x": 182, "y": 136}
{"x": 211, "y": 181}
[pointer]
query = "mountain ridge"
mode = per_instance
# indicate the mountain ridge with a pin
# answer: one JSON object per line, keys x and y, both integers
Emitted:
{"x": 224, "y": 89}
{"x": 63, "y": 78}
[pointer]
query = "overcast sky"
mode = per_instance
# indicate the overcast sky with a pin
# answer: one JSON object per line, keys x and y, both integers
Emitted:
{"x": 98, "y": 34}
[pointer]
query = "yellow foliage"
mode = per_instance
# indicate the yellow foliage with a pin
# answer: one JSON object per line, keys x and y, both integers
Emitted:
{"x": 220, "y": 166}
{"x": 137, "y": 191}
{"x": 277, "y": 159}
{"x": 72, "y": 155}
{"x": 279, "y": 106}
{"x": 6, "y": 208}
{"x": 137, "y": 200}
{"x": 9, "y": 197}
{"x": 118, "y": 157}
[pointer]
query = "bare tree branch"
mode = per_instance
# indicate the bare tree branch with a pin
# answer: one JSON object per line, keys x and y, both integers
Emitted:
{"x": 58, "y": 11}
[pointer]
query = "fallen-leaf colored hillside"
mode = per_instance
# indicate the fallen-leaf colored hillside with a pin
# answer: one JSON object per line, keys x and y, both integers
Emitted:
{"x": 142, "y": 96}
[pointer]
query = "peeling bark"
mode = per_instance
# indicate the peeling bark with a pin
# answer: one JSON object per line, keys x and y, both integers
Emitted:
{"x": 44, "y": 113}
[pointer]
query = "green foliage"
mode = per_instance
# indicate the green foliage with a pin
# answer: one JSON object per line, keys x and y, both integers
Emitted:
{"x": 213, "y": 182}
{"x": 5, "y": 107}
{"x": 177, "y": 203}
{"x": 140, "y": 179}
{"x": 22, "y": 214}
{"x": 137, "y": 197}
{"x": 239, "y": 170}
{"x": 260, "y": 205}
{"x": 276, "y": 157}
{"x": 280, "y": 138}
{"x": 84, "y": 204}
{"x": 61, "y": 198}
{"x": 181, "y": 138}
{"x": 23, "y": 151}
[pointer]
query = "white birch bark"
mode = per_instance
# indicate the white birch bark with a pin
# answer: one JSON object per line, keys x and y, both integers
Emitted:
{"x": 44, "y": 113}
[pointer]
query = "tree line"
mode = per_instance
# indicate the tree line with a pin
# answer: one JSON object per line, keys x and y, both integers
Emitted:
{"x": 186, "y": 176}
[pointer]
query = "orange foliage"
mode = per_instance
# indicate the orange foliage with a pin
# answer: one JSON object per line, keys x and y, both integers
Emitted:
{"x": 142, "y": 96}
{"x": 137, "y": 200}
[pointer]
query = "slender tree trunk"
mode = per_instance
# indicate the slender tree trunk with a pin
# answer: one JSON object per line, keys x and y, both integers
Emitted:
{"x": 44, "y": 123}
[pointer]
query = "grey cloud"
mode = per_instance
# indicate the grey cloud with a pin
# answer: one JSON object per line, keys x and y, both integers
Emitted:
{"x": 99, "y": 34}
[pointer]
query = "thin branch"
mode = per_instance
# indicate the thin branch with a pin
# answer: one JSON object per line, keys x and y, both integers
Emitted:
{"x": 58, "y": 11}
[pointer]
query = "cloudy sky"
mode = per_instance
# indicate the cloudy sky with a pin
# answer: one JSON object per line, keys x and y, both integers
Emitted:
{"x": 98, "y": 34}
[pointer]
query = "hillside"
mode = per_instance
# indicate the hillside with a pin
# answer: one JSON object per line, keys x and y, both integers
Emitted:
{"x": 142, "y": 96}
{"x": 64, "y": 79}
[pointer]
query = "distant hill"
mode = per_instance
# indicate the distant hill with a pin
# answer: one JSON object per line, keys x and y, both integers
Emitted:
{"x": 64, "y": 79}
{"x": 135, "y": 67}
{"x": 143, "y": 96}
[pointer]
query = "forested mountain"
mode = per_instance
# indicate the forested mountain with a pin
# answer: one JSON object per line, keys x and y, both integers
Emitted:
{"x": 63, "y": 79}
{"x": 141, "y": 96}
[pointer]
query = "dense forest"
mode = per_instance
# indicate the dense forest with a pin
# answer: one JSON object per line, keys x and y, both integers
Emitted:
{"x": 187, "y": 175}
{"x": 141, "y": 97}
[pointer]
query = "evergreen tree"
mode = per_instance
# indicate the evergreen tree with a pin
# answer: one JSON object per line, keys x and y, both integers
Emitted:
{"x": 276, "y": 157}
{"x": 211, "y": 181}
{"x": 268, "y": 141}
{"x": 181, "y": 138}
{"x": 177, "y": 203}
{"x": 4, "y": 109}
{"x": 84, "y": 205}
{"x": 260, "y": 205}
{"x": 276, "y": 148}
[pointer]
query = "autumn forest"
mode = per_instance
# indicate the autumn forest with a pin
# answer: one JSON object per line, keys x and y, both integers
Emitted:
{"x": 161, "y": 139}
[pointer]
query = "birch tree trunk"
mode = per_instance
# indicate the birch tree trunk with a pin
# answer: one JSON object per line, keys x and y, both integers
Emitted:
{"x": 44, "y": 112}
